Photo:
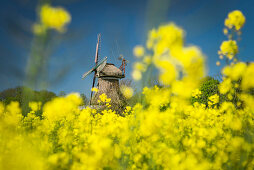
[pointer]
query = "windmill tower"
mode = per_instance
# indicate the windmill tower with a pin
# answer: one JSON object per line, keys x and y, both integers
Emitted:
{"x": 108, "y": 83}
{"x": 108, "y": 80}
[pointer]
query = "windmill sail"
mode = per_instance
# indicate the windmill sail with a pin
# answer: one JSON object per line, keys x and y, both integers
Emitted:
{"x": 98, "y": 67}
{"x": 87, "y": 73}
{"x": 101, "y": 65}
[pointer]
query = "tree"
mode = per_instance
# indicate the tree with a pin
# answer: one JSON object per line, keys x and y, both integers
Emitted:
{"x": 84, "y": 98}
{"x": 24, "y": 95}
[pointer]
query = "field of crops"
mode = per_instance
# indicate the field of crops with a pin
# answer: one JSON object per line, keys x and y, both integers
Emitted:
{"x": 166, "y": 131}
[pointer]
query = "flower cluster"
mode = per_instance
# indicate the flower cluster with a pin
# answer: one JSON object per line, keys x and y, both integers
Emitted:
{"x": 104, "y": 100}
{"x": 235, "y": 20}
{"x": 213, "y": 100}
{"x": 196, "y": 93}
{"x": 127, "y": 91}
{"x": 233, "y": 24}
{"x": 52, "y": 18}
{"x": 229, "y": 49}
{"x": 179, "y": 66}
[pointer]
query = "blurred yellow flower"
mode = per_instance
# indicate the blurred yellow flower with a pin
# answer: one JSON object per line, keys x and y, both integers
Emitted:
{"x": 196, "y": 93}
{"x": 229, "y": 48}
{"x": 235, "y": 71}
{"x": 235, "y": 19}
{"x": 225, "y": 31}
{"x": 94, "y": 89}
{"x": 35, "y": 106}
{"x": 168, "y": 72}
{"x": 39, "y": 29}
{"x": 140, "y": 66}
{"x": 247, "y": 80}
{"x": 127, "y": 91}
{"x": 147, "y": 60}
{"x": 54, "y": 17}
{"x": 136, "y": 75}
{"x": 225, "y": 86}
{"x": 62, "y": 107}
{"x": 214, "y": 99}
{"x": 139, "y": 51}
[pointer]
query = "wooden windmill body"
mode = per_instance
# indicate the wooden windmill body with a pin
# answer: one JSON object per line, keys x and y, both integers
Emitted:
{"x": 108, "y": 83}
{"x": 108, "y": 80}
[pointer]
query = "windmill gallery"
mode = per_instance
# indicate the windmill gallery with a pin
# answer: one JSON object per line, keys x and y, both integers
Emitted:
{"x": 108, "y": 76}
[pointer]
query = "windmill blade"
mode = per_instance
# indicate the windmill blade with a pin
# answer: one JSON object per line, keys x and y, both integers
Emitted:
{"x": 97, "y": 49}
{"x": 87, "y": 73}
{"x": 101, "y": 65}
{"x": 102, "y": 62}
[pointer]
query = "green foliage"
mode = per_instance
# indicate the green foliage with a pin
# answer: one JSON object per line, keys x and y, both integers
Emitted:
{"x": 209, "y": 87}
{"x": 84, "y": 98}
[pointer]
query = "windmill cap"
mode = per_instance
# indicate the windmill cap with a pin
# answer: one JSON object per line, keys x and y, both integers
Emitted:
{"x": 110, "y": 70}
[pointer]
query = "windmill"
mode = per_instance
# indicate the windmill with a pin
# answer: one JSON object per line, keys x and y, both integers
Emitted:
{"x": 98, "y": 65}
{"x": 108, "y": 80}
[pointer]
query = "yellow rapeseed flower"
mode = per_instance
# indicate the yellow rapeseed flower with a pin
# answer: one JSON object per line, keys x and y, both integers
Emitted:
{"x": 54, "y": 17}
{"x": 140, "y": 66}
{"x": 235, "y": 19}
{"x": 225, "y": 86}
{"x": 147, "y": 60}
{"x": 127, "y": 91}
{"x": 247, "y": 80}
{"x": 94, "y": 89}
{"x": 229, "y": 48}
{"x": 196, "y": 93}
{"x": 139, "y": 51}
{"x": 136, "y": 75}
{"x": 235, "y": 71}
{"x": 214, "y": 99}
{"x": 35, "y": 106}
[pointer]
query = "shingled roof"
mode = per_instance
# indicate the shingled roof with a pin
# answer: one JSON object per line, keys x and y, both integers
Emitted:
{"x": 110, "y": 70}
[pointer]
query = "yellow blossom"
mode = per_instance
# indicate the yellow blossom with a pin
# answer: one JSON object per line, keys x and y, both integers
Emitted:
{"x": 147, "y": 60}
{"x": 139, "y": 51}
{"x": 196, "y": 93}
{"x": 214, "y": 99}
{"x": 248, "y": 82}
{"x": 225, "y": 31}
{"x": 35, "y": 106}
{"x": 235, "y": 71}
{"x": 127, "y": 91}
{"x": 136, "y": 75}
{"x": 54, "y": 17}
{"x": 235, "y": 19}
{"x": 225, "y": 86}
{"x": 94, "y": 89}
{"x": 229, "y": 48}
{"x": 139, "y": 66}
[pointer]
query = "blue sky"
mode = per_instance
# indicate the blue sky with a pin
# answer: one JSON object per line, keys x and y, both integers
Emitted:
{"x": 123, "y": 24}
